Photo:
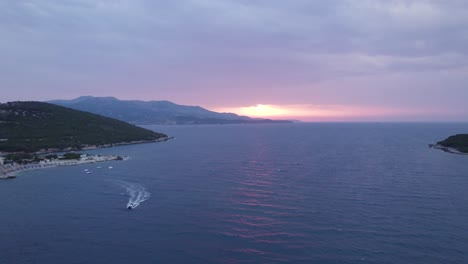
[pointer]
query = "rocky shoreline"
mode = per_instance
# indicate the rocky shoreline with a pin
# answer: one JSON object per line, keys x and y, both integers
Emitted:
{"x": 447, "y": 149}
{"x": 92, "y": 147}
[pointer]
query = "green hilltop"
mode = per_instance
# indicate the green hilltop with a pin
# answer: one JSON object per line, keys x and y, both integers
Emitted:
{"x": 458, "y": 142}
{"x": 36, "y": 126}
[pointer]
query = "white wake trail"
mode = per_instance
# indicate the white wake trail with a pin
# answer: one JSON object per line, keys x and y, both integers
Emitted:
{"x": 136, "y": 193}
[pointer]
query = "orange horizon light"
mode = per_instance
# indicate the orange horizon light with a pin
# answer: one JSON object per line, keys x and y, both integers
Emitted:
{"x": 316, "y": 112}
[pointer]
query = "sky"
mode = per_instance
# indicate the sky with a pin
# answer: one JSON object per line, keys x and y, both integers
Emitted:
{"x": 312, "y": 60}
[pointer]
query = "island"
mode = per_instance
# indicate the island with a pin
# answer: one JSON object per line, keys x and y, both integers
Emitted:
{"x": 31, "y": 130}
{"x": 457, "y": 144}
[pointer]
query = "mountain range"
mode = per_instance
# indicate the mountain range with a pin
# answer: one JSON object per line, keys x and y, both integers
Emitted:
{"x": 156, "y": 112}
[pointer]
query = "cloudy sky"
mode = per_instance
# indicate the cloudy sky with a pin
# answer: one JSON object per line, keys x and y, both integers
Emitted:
{"x": 307, "y": 59}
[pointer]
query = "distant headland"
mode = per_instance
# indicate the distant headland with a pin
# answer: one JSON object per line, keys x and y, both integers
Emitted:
{"x": 457, "y": 144}
{"x": 157, "y": 112}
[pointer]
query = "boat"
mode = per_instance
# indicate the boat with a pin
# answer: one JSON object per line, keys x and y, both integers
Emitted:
{"x": 110, "y": 167}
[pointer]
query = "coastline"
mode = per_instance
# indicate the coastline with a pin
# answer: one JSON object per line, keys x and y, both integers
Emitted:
{"x": 93, "y": 147}
{"x": 447, "y": 149}
{"x": 10, "y": 171}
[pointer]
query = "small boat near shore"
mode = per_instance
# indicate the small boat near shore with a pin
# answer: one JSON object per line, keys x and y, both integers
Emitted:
{"x": 13, "y": 169}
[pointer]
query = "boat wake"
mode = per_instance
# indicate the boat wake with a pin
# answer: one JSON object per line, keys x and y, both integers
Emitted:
{"x": 136, "y": 193}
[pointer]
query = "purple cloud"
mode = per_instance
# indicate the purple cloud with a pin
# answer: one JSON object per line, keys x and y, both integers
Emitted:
{"x": 391, "y": 54}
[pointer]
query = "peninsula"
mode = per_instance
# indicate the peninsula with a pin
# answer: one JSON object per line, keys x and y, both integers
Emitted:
{"x": 31, "y": 130}
{"x": 43, "y": 127}
{"x": 457, "y": 144}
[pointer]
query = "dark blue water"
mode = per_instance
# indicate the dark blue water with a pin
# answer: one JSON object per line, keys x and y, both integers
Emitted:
{"x": 299, "y": 193}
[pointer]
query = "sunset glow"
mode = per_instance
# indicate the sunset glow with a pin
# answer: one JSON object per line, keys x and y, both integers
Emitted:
{"x": 306, "y": 60}
{"x": 320, "y": 112}
{"x": 262, "y": 110}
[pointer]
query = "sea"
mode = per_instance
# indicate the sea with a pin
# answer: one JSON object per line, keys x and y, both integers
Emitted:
{"x": 271, "y": 193}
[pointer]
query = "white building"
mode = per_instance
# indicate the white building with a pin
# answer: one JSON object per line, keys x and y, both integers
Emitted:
{"x": 1, "y": 160}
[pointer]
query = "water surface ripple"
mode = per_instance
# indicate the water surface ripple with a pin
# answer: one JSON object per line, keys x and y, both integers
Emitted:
{"x": 298, "y": 193}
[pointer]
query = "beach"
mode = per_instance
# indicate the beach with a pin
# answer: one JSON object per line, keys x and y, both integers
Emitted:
{"x": 8, "y": 171}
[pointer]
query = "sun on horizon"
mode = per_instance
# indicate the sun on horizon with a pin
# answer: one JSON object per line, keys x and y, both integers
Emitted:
{"x": 263, "y": 110}
{"x": 309, "y": 112}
